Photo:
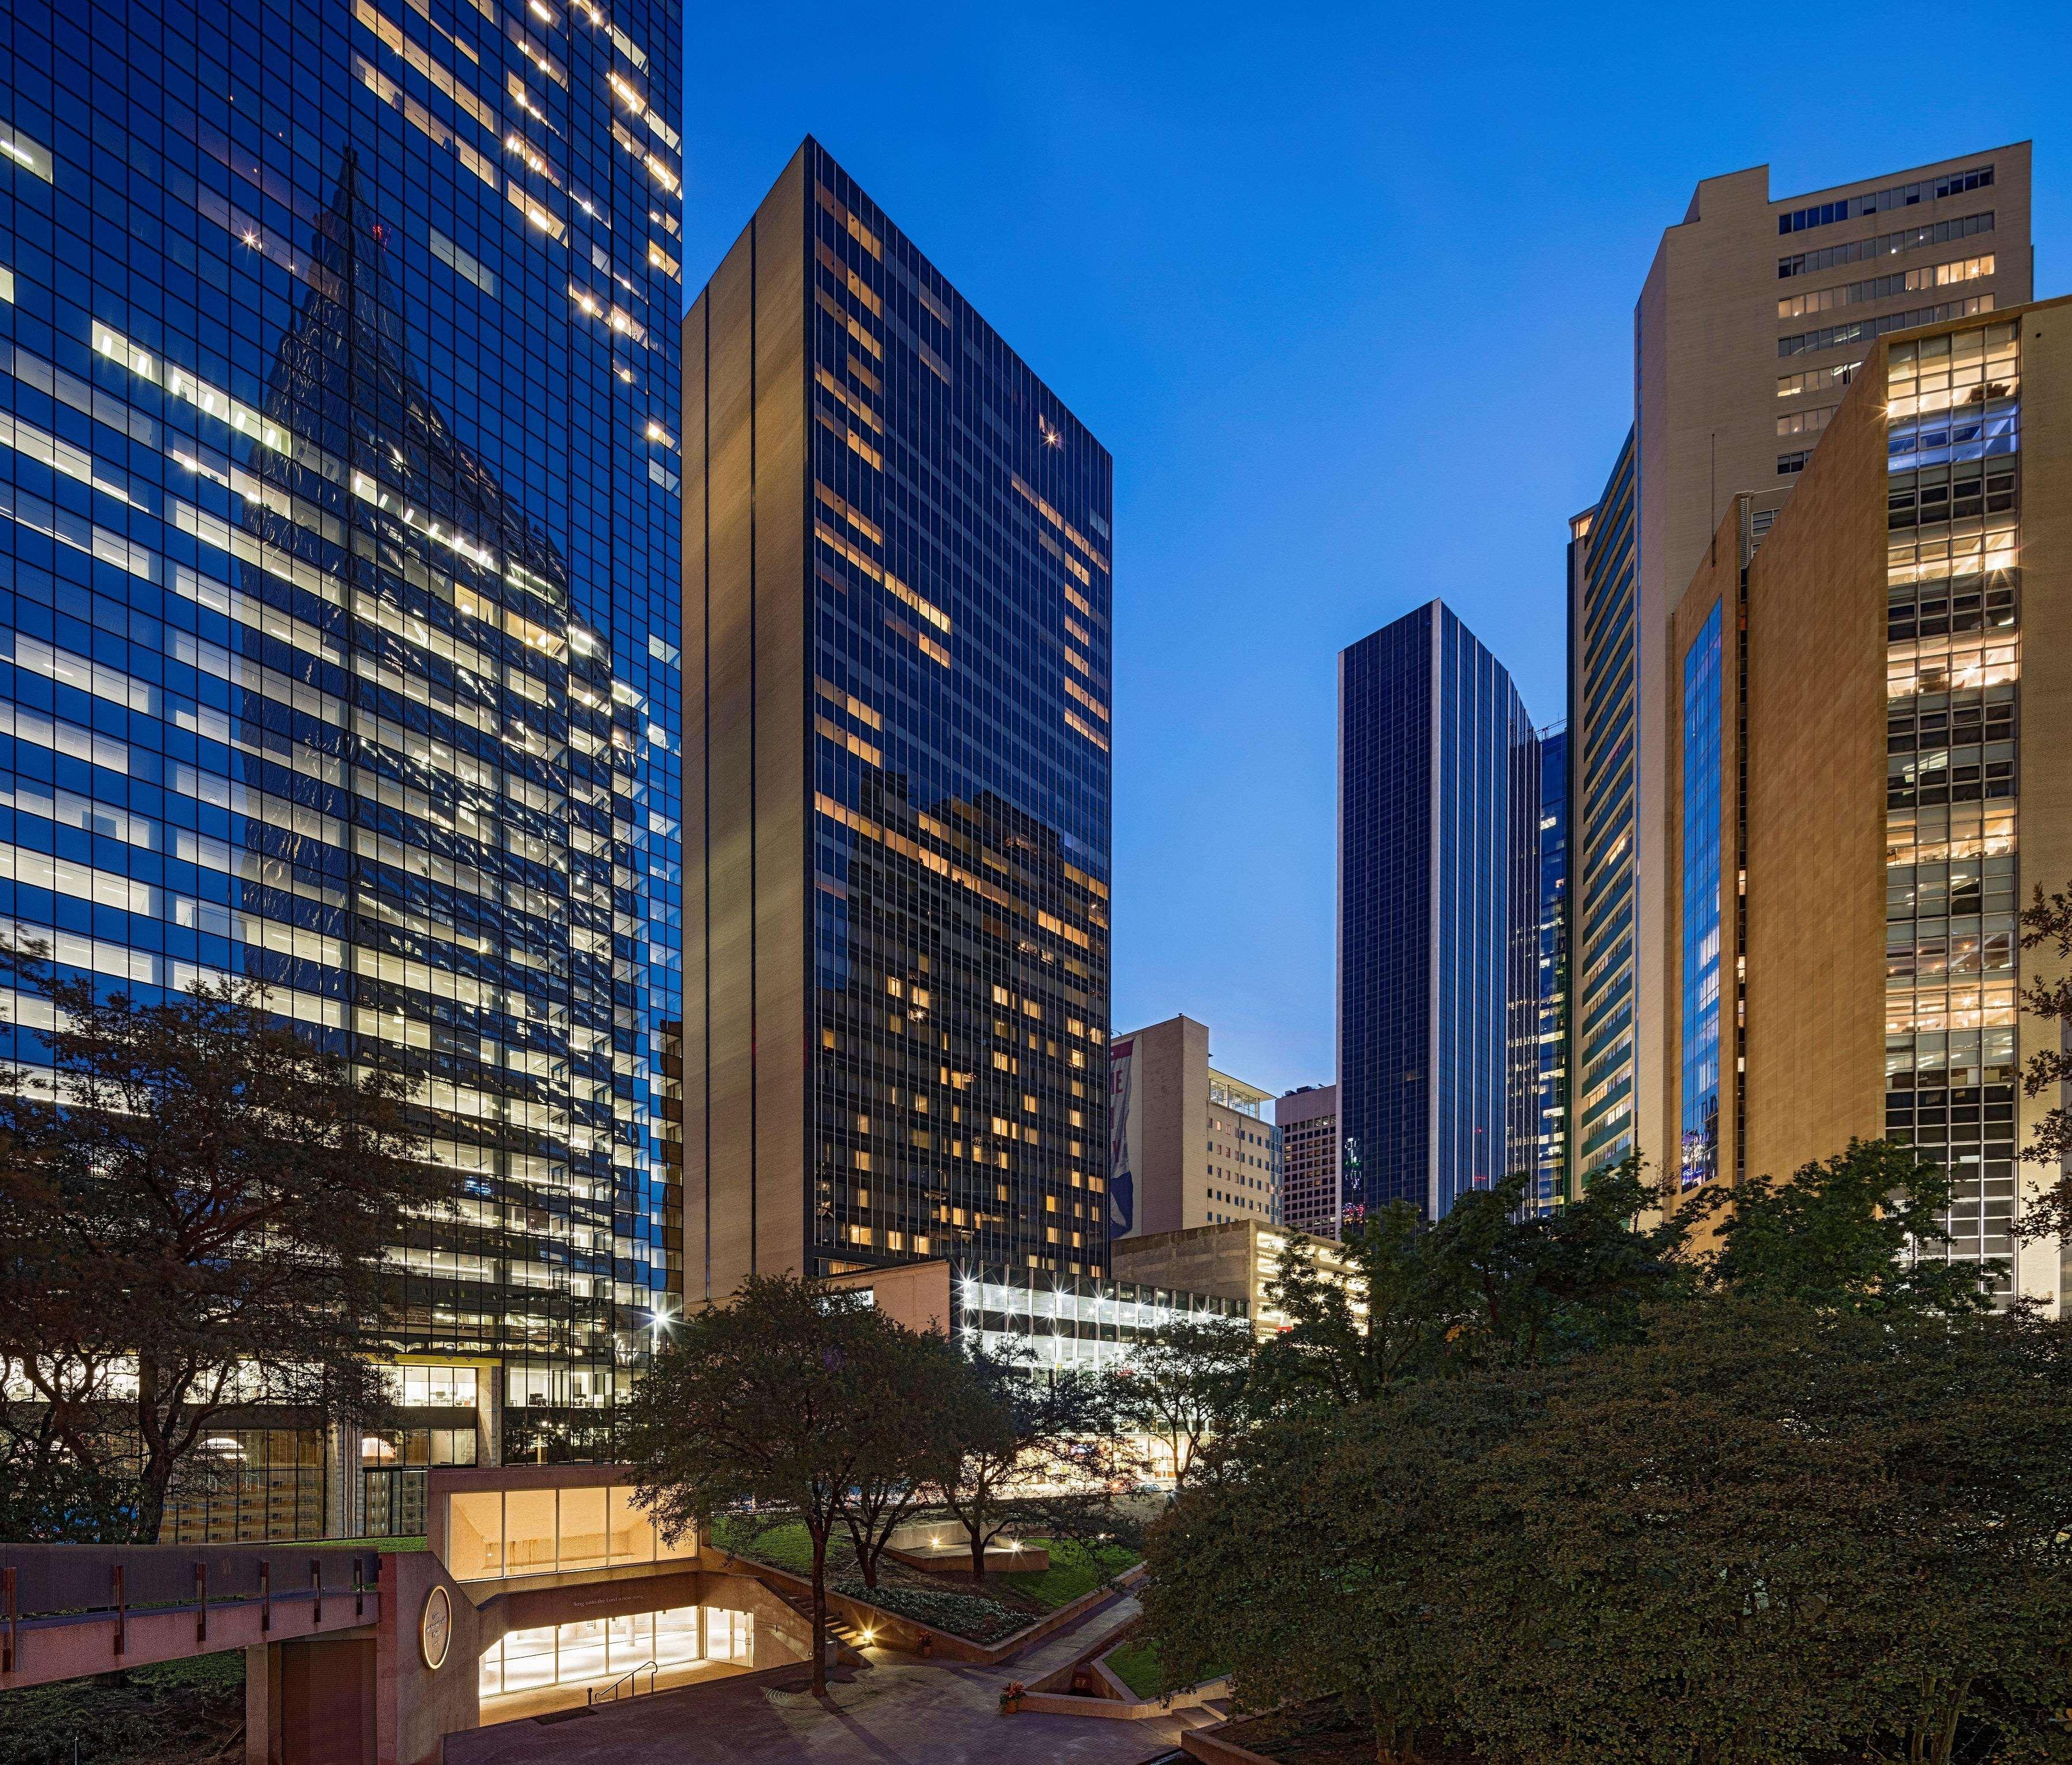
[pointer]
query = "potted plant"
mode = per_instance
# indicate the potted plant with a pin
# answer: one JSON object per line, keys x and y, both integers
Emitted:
{"x": 1011, "y": 1696}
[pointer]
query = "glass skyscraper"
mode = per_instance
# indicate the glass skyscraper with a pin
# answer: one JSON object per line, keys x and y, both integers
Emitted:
{"x": 896, "y": 606}
{"x": 1604, "y": 728}
{"x": 1438, "y": 916}
{"x": 1550, "y": 1027}
{"x": 338, "y": 602}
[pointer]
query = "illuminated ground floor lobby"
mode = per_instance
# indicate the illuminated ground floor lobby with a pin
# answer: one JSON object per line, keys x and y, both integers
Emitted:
{"x": 530, "y": 1673}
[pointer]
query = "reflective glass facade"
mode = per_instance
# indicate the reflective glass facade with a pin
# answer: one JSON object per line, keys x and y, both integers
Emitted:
{"x": 338, "y": 523}
{"x": 1953, "y": 679}
{"x": 1698, "y": 1146}
{"x": 1603, "y": 689}
{"x": 897, "y": 599}
{"x": 1438, "y": 891}
{"x": 1550, "y": 992}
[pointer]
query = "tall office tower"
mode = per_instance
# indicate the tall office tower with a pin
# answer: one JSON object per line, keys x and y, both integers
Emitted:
{"x": 896, "y": 788}
{"x": 1867, "y": 724}
{"x": 339, "y": 563}
{"x": 1755, "y": 315}
{"x": 1308, "y": 1120}
{"x": 1550, "y": 1096}
{"x": 1603, "y": 688}
{"x": 1191, "y": 1145}
{"x": 1438, "y": 916}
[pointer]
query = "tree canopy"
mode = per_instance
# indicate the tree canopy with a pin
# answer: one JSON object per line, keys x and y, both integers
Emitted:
{"x": 195, "y": 1203}
{"x": 791, "y": 1398}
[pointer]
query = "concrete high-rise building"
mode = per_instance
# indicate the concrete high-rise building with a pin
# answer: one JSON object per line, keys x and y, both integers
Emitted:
{"x": 1307, "y": 1122}
{"x": 1868, "y": 717}
{"x": 1757, "y": 313}
{"x": 1550, "y": 1098}
{"x": 337, "y": 550}
{"x": 1191, "y": 1145}
{"x": 1438, "y": 916}
{"x": 895, "y": 628}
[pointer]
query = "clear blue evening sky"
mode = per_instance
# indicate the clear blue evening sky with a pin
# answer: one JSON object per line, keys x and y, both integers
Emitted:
{"x": 1347, "y": 291}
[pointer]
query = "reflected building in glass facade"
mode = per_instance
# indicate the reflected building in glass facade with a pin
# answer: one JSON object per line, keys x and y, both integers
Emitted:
{"x": 1438, "y": 917}
{"x": 338, "y": 540}
{"x": 896, "y": 606}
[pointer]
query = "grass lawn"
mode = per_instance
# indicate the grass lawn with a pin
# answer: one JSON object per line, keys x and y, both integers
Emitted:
{"x": 1136, "y": 1663}
{"x": 1075, "y": 1570}
{"x": 786, "y": 1547}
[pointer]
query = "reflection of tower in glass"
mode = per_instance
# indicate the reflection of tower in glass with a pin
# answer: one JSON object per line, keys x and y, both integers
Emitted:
{"x": 435, "y": 803}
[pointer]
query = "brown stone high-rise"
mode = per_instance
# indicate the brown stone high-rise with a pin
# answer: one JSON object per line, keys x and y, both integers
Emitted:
{"x": 1756, "y": 314}
{"x": 896, "y": 714}
{"x": 1868, "y": 720}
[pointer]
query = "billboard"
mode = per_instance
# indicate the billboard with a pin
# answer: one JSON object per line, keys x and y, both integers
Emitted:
{"x": 1125, "y": 1139}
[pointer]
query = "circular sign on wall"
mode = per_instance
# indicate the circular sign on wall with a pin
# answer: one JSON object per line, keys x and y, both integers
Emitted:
{"x": 435, "y": 1628}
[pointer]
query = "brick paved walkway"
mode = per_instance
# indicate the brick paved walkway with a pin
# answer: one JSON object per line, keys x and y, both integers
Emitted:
{"x": 900, "y": 1712}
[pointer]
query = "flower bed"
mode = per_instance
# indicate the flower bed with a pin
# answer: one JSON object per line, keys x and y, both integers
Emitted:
{"x": 969, "y": 1615}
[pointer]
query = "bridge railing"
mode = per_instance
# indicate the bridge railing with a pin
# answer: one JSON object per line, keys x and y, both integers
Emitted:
{"x": 46, "y": 1587}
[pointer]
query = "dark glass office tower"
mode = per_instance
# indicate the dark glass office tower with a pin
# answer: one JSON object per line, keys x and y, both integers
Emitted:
{"x": 896, "y": 604}
{"x": 1438, "y": 916}
{"x": 1550, "y": 992}
{"x": 339, "y": 541}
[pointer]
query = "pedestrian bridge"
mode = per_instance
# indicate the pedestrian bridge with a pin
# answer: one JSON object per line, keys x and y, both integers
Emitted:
{"x": 541, "y": 1587}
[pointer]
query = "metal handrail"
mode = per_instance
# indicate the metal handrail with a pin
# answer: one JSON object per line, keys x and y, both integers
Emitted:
{"x": 647, "y": 1667}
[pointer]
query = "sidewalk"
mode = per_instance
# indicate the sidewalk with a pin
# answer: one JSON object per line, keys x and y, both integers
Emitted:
{"x": 900, "y": 1712}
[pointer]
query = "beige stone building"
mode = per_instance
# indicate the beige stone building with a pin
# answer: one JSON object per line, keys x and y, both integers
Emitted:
{"x": 1756, "y": 314}
{"x": 1890, "y": 673}
{"x": 1237, "y": 1261}
{"x": 1189, "y": 1145}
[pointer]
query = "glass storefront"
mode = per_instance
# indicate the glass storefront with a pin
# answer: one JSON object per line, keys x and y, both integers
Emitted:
{"x": 595, "y": 1650}
{"x": 495, "y": 1533}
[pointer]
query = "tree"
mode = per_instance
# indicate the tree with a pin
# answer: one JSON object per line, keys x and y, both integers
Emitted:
{"x": 1489, "y": 1281}
{"x": 1769, "y": 1532}
{"x": 2046, "y": 923}
{"x": 1322, "y": 1564}
{"x": 1186, "y": 1385}
{"x": 1857, "y": 1231}
{"x": 1031, "y": 1445}
{"x": 918, "y": 1431}
{"x": 1759, "y": 1532}
{"x": 786, "y": 1395}
{"x": 194, "y": 1201}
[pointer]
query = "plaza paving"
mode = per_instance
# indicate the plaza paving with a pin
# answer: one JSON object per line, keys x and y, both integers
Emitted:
{"x": 899, "y": 1712}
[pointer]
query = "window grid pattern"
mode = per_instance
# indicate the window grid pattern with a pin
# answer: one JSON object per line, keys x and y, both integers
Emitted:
{"x": 1952, "y": 878}
{"x": 338, "y": 542}
{"x": 1602, "y": 897}
{"x": 962, "y": 593}
{"x": 1698, "y": 1148}
{"x": 1551, "y": 988}
{"x": 1439, "y": 850}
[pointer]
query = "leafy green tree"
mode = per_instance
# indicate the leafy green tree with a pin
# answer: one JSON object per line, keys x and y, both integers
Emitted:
{"x": 1859, "y": 1232}
{"x": 2046, "y": 924}
{"x": 1031, "y": 1445}
{"x": 1488, "y": 1282}
{"x": 1186, "y": 1387}
{"x": 195, "y": 1202}
{"x": 1767, "y": 1533}
{"x": 787, "y": 1397}
{"x": 1322, "y": 1562}
{"x": 918, "y": 1427}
